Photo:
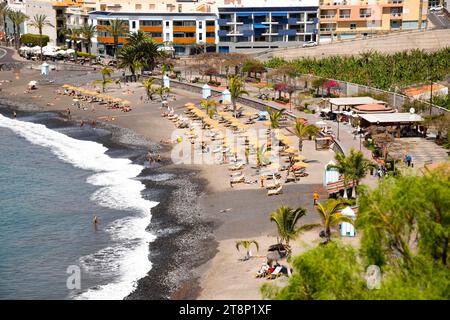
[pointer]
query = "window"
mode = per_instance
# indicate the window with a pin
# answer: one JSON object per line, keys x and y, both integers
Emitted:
{"x": 200, "y": 24}
{"x": 184, "y": 23}
{"x": 167, "y": 36}
{"x": 151, "y": 6}
{"x": 138, "y": 6}
{"x": 200, "y": 36}
{"x": 133, "y": 24}
{"x": 353, "y": 26}
{"x": 183, "y": 34}
{"x": 151, "y": 23}
{"x": 210, "y": 34}
{"x": 210, "y": 23}
{"x": 155, "y": 34}
{"x": 167, "y": 24}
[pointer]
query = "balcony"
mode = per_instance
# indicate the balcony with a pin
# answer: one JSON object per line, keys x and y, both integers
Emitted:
{"x": 327, "y": 16}
{"x": 396, "y": 15}
{"x": 109, "y": 40}
{"x": 223, "y": 22}
{"x": 365, "y": 15}
{"x": 151, "y": 28}
{"x": 184, "y": 29}
{"x": 327, "y": 29}
{"x": 344, "y": 16}
{"x": 287, "y": 32}
{"x": 211, "y": 40}
{"x": 222, "y": 33}
{"x": 184, "y": 40}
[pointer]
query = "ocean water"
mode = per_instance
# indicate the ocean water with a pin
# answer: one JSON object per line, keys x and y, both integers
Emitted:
{"x": 51, "y": 185}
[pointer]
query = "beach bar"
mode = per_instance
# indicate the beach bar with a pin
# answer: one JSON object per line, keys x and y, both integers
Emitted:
{"x": 351, "y": 102}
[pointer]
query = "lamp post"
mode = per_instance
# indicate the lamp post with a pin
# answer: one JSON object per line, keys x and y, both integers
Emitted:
{"x": 337, "y": 119}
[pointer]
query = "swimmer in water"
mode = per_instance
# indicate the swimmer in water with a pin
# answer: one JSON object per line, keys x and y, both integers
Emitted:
{"x": 14, "y": 114}
{"x": 94, "y": 220}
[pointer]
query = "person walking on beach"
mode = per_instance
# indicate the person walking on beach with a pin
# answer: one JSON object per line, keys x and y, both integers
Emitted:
{"x": 14, "y": 114}
{"x": 315, "y": 197}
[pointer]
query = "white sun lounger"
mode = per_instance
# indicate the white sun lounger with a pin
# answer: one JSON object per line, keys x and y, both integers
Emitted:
{"x": 279, "y": 190}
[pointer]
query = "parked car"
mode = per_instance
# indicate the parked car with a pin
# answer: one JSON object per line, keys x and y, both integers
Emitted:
{"x": 309, "y": 44}
{"x": 436, "y": 9}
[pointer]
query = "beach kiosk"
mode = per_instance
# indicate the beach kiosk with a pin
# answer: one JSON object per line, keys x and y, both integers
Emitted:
{"x": 330, "y": 175}
{"x": 226, "y": 95}
{"x": 347, "y": 229}
{"x": 166, "y": 81}
{"x": 45, "y": 69}
{"x": 206, "y": 91}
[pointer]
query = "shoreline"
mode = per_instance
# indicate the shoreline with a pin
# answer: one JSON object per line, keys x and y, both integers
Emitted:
{"x": 169, "y": 228}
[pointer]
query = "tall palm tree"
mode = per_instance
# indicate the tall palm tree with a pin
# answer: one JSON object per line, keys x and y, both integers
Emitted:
{"x": 331, "y": 215}
{"x": 302, "y": 130}
{"x": 358, "y": 166}
{"x": 210, "y": 107}
{"x": 117, "y": 28}
{"x": 39, "y": 22}
{"x": 73, "y": 35}
{"x": 275, "y": 117}
{"x": 3, "y": 14}
{"x": 106, "y": 78}
{"x": 148, "y": 86}
{"x": 246, "y": 244}
{"x": 236, "y": 88}
{"x": 17, "y": 18}
{"x": 344, "y": 168}
{"x": 286, "y": 220}
{"x": 88, "y": 32}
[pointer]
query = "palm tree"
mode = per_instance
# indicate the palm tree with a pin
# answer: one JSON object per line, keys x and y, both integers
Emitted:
{"x": 139, "y": 52}
{"x": 3, "y": 14}
{"x": 161, "y": 91}
{"x": 358, "y": 166}
{"x": 73, "y": 35}
{"x": 246, "y": 244}
{"x": 17, "y": 18}
{"x": 286, "y": 220}
{"x": 275, "y": 117}
{"x": 331, "y": 215}
{"x": 127, "y": 59}
{"x": 260, "y": 152}
{"x": 148, "y": 86}
{"x": 88, "y": 32}
{"x": 236, "y": 88}
{"x": 302, "y": 130}
{"x": 39, "y": 22}
{"x": 106, "y": 78}
{"x": 344, "y": 168}
{"x": 116, "y": 29}
{"x": 210, "y": 107}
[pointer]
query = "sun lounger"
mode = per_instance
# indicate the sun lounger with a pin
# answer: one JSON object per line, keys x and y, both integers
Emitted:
{"x": 277, "y": 191}
{"x": 236, "y": 167}
{"x": 276, "y": 185}
{"x": 237, "y": 180}
{"x": 275, "y": 273}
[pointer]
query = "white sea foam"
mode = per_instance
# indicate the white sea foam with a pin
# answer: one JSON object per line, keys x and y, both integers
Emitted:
{"x": 128, "y": 257}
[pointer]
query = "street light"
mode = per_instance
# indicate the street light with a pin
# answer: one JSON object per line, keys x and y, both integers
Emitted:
{"x": 337, "y": 119}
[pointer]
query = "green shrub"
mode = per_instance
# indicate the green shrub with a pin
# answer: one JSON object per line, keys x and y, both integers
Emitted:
{"x": 85, "y": 55}
{"x": 34, "y": 39}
